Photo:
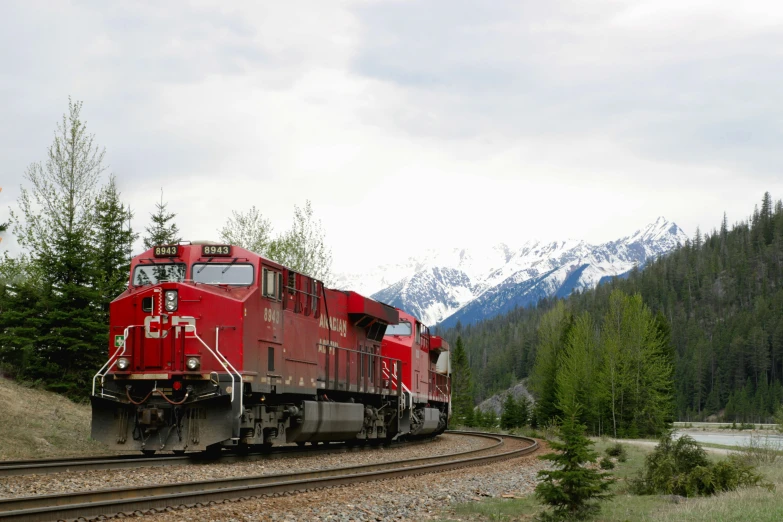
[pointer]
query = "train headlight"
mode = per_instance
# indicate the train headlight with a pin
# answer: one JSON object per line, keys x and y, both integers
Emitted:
{"x": 123, "y": 363}
{"x": 193, "y": 364}
{"x": 171, "y": 300}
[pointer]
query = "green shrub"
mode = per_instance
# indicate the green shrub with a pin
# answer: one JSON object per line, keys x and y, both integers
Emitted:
{"x": 682, "y": 468}
{"x": 606, "y": 463}
{"x": 617, "y": 450}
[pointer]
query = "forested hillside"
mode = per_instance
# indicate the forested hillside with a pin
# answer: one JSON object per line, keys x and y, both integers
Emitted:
{"x": 722, "y": 296}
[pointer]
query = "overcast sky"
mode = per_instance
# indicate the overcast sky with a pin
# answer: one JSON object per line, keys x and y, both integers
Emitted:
{"x": 409, "y": 123}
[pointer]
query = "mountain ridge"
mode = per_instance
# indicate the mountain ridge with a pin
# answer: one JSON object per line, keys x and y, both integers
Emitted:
{"x": 460, "y": 284}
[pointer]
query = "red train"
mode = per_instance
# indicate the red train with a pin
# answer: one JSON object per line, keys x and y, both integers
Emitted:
{"x": 214, "y": 346}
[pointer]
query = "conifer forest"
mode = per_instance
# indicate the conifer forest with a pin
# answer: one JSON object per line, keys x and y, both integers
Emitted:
{"x": 712, "y": 310}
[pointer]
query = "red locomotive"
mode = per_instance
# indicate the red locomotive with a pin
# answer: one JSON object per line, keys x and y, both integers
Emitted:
{"x": 214, "y": 346}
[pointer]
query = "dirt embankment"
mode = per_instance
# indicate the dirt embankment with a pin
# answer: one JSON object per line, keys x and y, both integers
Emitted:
{"x": 39, "y": 424}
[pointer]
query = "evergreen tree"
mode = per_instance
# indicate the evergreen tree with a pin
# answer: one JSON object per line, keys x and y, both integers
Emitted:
{"x": 509, "y": 416}
{"x": 578, "y": 367}
{"x": 468, "y": 419}
{"x": 461, "y": 384}
{"x": 56, "y": 225}
{"x": 20, "y": 306}
{"x": 489, "y": 418}
{"x": 114, "y": 239}
{"x": 162, "y": 230}
{"x": 553, "y": 332}
{"x": 523, "y": 412}
{"x": 572, "y": 488}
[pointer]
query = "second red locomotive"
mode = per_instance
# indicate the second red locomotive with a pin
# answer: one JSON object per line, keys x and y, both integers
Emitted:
{"x": 214, "y": 346}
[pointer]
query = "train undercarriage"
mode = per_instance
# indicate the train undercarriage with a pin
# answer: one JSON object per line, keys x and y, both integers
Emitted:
{"x": 208, "y": 415}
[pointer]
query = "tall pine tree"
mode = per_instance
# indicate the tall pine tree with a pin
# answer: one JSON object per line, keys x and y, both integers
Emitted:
{"x": 461, "y": 385}
{"x": 20, "y": 301}
{"x": 114, "y": 239}
{"x": 553, "y": 334}
{"x": 162, "y": 229}
{"x": 509, "y": 415}
{"x": 571, "y": 488}
{"x": 56, "y": 225}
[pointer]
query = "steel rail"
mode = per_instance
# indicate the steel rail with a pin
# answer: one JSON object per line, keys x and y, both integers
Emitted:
{"x": 47, "y": 466}
{"x": 127, "y": 500}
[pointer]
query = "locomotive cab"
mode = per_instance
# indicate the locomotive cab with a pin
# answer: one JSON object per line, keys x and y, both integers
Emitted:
{"x": 170, "y": 382}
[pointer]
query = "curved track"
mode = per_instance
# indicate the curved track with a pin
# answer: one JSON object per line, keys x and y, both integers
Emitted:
{"x": 128, "y": 500}
{"x": 46, "y": 466}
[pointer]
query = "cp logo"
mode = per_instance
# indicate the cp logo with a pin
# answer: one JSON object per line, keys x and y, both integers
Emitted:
{"x": 153, "y": 326}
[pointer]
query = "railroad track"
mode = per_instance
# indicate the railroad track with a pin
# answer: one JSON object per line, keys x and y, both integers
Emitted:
{"x": 109, "y": 502}
{"x": 46, "y": 466}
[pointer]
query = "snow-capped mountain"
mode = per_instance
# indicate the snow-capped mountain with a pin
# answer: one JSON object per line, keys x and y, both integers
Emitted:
{"x": 461, "y": 284}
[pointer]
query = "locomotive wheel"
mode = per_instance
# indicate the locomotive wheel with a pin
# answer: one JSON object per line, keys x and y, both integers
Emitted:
{"x": 148, "y": 453}
{"x": 179, "y": 452}
{"x": 300, "y": 444}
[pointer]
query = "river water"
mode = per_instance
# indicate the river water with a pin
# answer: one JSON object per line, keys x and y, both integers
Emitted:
{"x": 733, "y": 438}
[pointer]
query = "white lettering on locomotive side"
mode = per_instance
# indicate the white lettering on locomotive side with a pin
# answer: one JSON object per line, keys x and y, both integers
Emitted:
{"x": 324, "y": 343}
{"x": 272, "y": 316}
{"x": 337, "y": 325}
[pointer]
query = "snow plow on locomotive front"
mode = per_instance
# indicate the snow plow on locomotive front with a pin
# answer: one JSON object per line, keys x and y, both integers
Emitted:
{"x": 214, "y": 346}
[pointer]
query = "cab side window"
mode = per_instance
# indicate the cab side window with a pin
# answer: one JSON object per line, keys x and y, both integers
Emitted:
{"x": 271, "y": 287}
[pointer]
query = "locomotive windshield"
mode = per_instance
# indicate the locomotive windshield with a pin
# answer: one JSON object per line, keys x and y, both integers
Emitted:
{"x": 153, "y": 274}
{"x": 404, "y": 328}
{"x": 223, "y": 274}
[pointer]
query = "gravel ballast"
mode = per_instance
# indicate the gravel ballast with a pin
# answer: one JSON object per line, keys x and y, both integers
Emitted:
{"x": 422, "y": 497}
{"x": 29, "y": 485}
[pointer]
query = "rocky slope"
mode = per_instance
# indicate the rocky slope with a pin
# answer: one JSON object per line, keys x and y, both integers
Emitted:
{"x": 496, "y": 401}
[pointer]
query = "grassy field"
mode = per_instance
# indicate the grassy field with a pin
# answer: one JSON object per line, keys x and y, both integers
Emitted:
{"x": 39, "y": 424}
{"x": 748, "y": 505}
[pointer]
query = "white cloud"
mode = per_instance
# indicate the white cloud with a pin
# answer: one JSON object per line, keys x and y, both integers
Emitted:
{"x": 409, "y": 124}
